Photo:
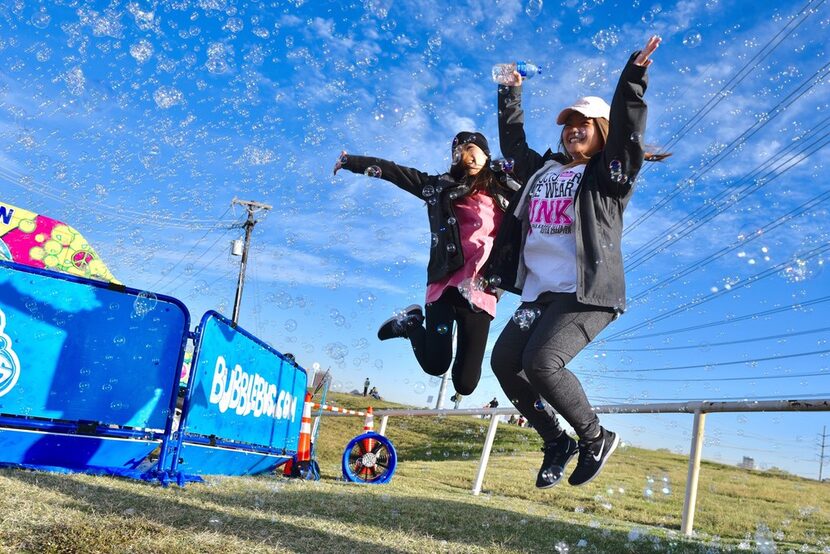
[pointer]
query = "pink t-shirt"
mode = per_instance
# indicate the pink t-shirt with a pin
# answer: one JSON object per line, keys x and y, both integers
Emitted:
{"x": 478, "y": 220}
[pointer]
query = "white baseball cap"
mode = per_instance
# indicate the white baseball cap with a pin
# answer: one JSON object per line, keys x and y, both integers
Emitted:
{"x": 589, "y": 106}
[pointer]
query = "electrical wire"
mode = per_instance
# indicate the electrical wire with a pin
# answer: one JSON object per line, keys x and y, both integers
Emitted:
{"x": 709, "y": 324}
{"x": 773, "y": 270}
{"x": 709, "y": 211}
{"x": 599, "y": 346}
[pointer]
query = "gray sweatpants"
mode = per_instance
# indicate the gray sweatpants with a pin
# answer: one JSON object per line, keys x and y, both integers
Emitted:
{"x": 530, "y": 363}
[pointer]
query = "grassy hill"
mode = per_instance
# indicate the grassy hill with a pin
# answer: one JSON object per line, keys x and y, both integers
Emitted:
{"x": 427, "y": 507}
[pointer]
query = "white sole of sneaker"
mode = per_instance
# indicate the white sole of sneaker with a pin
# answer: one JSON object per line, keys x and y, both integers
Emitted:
{"x": 602, "y": 465}
{"x": 564, "y": 467}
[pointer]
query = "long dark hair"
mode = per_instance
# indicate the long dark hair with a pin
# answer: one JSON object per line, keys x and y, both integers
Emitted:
{"x": 490, "y": 183}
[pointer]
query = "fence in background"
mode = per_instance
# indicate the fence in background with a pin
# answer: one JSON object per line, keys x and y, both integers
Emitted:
{"x": 698, "y": 408}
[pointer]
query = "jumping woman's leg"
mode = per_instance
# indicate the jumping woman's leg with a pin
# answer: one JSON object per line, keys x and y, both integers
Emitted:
{"x": 564, "y": 328}
{"x": 473, "y": 328}
{"x": 432, "y": 344}
{"x": 506, "y": 361}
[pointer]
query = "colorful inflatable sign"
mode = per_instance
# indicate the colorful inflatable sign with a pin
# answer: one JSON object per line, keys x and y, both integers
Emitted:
{"x": 38, "y": 241}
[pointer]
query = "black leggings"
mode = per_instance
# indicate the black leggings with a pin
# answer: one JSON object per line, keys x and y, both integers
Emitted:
{"x": 530, "y": 363}
{"x": 433, "y": 345}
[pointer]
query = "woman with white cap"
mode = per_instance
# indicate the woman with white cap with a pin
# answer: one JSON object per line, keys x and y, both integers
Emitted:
{"x": 559, "y": 248}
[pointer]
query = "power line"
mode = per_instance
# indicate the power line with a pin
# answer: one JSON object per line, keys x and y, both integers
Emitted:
{"x": 721, "y": 155}
{"x": 756, "y": 315}
{"x": 819, "y": 250}
{"x": 705, "y": 379}
{"x": 189, "y": 252}
{"x": 709, "y": 211}
{"x": 720, "y": 364}
{"x": 785, "y": 397}
{"x": 763, "y": 231}
{"x": 595, "y": 346}
{"x": 113, "y": 212}
{"x": 741, "y": 74}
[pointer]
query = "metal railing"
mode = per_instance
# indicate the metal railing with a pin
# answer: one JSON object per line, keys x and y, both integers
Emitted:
{"x": 698, "y": 408}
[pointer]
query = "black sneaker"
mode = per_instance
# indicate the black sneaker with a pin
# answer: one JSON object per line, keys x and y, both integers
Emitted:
{"x": 592, "y": 457}
{"x": 395, "y": 326}
{"x": 557, "y": 455}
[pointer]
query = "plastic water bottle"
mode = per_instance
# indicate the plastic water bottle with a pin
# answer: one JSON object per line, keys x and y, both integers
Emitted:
{"x": 503, "y": 72}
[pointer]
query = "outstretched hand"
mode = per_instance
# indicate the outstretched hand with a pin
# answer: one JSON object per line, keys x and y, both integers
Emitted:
{"x": 643, "y": 59}
{"x": 341, "y": 159}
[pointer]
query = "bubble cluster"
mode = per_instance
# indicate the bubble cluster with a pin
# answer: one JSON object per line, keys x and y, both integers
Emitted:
{"x": 336, "y": 351}
{"x": 606, "y": 39}
{"x": 524, "y": 317}
{"x": 616, "y": 171}
{"x": 141, "y": 51}
{"x": 693, "y": 39}
{"x": 166, "y": 97}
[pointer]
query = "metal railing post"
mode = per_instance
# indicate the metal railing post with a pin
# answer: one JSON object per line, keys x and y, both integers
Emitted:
{"x": 382, "y": 430}
{"x": 485, "y": 453}
{"x": 688, "y": 517}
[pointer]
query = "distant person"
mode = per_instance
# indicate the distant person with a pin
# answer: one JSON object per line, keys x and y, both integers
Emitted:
{"x": 374, "y": 393}
{"x": 494, "y": 403}
{"x": 456, "y": 400}
{"x": 465, "y": 207}
{"x": 366, "y": 384}
{"x": 559, "y": 248}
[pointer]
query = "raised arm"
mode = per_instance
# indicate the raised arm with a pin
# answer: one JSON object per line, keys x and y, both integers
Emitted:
{"x": 627, "y": 125}
{"x": 512, "y": 139}
{"x": 409, "y": 179}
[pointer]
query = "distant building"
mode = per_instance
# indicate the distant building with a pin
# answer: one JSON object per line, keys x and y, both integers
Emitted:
{"x": 747, "y": 463}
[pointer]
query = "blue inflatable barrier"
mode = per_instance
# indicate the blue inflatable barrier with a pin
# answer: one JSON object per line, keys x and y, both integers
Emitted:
{"x": 243, "y": 406}
{"x": 89, "y": 381}
{"x": 88, "y": 371}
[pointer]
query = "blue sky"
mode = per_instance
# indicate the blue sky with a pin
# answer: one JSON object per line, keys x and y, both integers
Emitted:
{"x": 138, "y": 122}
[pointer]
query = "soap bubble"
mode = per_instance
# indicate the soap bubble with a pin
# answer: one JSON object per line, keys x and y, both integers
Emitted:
{"x": 443, "y": 329}
{"x": 144, "y": 303}
{"x": 451, "y": 248}
{"x": 373, "y": 171}
{"x": 692, "y": 39}
{"x": 41, "y": 19}
{"x": 533, "y": 8}
{"x": 428, "y": 191}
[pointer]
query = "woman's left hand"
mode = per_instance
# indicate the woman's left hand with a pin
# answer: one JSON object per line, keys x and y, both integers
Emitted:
{"x": 643, "y": 59}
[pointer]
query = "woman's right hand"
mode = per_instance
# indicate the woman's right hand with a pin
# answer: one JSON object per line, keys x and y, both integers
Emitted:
{"x": 643, "y": 59}
{"x": 340, "y": 161}
{"x": 517, "y": 79}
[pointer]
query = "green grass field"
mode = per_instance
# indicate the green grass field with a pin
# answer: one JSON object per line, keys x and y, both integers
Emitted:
{"x": 427, "y": 507}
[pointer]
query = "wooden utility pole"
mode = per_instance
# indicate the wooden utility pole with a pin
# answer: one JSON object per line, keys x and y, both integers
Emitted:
{"x": 252, "y": 208}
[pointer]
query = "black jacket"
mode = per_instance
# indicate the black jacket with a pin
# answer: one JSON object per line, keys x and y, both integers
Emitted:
{"x": 439, "y": 192}
{"x": 599, "y": 201}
